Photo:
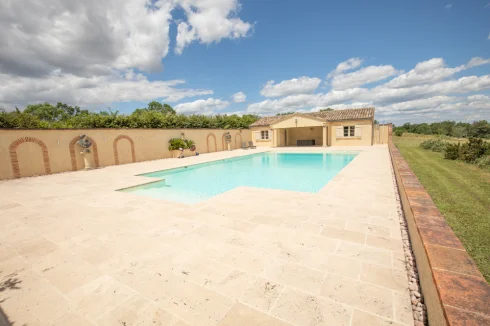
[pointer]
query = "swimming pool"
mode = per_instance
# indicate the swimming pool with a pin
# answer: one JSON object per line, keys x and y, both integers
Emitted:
{"x": 302, "y": 172}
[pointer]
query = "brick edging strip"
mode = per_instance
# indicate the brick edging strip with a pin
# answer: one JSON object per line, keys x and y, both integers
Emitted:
{"x": 455, "y": 291}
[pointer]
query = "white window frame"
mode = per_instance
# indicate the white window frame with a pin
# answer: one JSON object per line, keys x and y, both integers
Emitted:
{"x": 349, "y": 131}
{"x": 264, "y": 135}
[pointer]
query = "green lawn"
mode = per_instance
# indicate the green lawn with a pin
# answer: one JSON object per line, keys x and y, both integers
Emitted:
{"x": 461, "y": 191}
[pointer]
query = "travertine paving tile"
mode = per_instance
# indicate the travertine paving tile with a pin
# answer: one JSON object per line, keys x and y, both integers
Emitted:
{"x": 242, "y": 315}
{"x": 99, "y": 296}
{"x": 362, "y": 318}
{"x": 344, "y": 266}
{"x": 261, "y": 294}
{"x": 233, "y": 285}
{"x": 365, "y": 253}
{"x": 248, "y": 260}
{"x": 137, "y": 311}
{"x": 27, "y": 299}
{"x": 359, "y": 294}
{"x": 72, "y": 319}
{"x": 300, "y": 308}
{"x": 395, "y": 279}
{"x": 64, "y": 270}
{"x": 298, "y": 276}
{"x": 384, "y": 242}
{"x": 346, "y": 235}
{"x": 403, "y": 307}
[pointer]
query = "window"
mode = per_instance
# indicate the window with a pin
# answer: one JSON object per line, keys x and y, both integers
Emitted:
{"x": 349, "y": 131}
{"x": 264, "y": 134}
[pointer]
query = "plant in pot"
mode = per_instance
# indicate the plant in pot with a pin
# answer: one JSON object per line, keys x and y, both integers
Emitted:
{"x": 190, "y": 145}
{"x": 181, "y": 147}
{"x": 176, "y": 145}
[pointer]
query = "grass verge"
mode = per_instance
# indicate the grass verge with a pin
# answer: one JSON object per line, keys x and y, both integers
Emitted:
{"x": 461, "y": 191}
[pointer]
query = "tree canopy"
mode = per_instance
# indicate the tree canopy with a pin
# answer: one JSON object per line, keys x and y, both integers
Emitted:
{"x": 155, "y": 115}
{"x": 478, "y": 129}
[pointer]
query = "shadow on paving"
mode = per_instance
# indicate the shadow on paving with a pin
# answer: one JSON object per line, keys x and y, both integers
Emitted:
{"x": 11, "y": 282}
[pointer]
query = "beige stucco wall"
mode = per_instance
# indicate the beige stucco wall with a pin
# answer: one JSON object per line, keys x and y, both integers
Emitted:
{"x": 298, "y": 121}
{"x": 260, "y": 142}
{"x": 149, "y": 144}
{"x": 381, "y": 134}
{"x": 364, "y": 140}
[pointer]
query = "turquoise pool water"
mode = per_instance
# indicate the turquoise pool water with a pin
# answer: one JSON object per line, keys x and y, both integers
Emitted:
{"x": 287, "y": 171}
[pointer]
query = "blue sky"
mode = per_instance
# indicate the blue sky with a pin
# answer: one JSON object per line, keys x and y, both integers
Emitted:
{"x": 241, "y": 46}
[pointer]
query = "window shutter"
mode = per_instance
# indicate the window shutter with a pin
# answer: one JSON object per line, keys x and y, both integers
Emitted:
{"x": 340, "y": 132}
{"x": 271, "y": 134}
{"x": 358, "y": 132}
{"x": 257, "y": 135}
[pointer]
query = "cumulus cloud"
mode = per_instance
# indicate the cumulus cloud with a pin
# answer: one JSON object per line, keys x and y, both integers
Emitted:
{"x": 431, "y": 71}
{"x": 300, "y": 85}
{"x": 239, "y": 97}
{"x": 347, "y": 65}
{"x": 363, "y": 76}
{"x": 429, "y": 87}
{"x": 206, "y": 107}
{"x": 210, "y": 21}
{"x": 100, "y": 40}
{"x": 80, "y": 90}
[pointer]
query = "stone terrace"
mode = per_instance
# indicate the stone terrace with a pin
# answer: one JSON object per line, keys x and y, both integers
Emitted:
{"x": 75, "y": 252}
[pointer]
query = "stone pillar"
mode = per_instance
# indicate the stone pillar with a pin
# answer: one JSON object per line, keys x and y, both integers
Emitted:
{"x": 325, "y": 137}
{"x": 87, "y": 160}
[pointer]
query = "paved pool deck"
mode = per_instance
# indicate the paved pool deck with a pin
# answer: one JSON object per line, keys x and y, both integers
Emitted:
{"x": 73, "y": 251}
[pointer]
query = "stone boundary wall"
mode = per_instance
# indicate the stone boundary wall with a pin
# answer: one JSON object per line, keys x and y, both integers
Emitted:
{"x": 454, "y": 290}
{"x": 26, "y": 153}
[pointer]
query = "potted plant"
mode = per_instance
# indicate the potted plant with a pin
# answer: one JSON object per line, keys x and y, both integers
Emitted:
{"x": 190, "y": 145}
{"x": 181, "y": 147}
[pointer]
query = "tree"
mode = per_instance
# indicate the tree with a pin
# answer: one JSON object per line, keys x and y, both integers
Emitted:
{"x": 285, "y": 113}
{"x": 480, "y": 129}
{"x": 459, "y": 131}
{"x": 159, "y": 107}
{"x": 47, "y": 112}
{"x": 327, "y": 109}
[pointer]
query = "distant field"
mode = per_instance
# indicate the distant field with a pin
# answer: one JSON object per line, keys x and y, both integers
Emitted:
{"x": 461, "y": 191}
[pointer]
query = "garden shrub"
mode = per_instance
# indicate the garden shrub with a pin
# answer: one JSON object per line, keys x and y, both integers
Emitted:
{"x": 399, "y": 132}
{"x": 452, "y": 151}
{"x": 435, "y": 145}
{"x": 473, "y": 150}
{"x": 483, "y": 162}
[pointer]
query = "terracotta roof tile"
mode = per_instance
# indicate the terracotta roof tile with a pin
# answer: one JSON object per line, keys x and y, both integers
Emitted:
{"x": 335, "y": 115}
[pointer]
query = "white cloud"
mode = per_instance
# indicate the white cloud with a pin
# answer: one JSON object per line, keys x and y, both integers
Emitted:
{"x": 206, "y": 107}
{"x": 363, "y": 76}
{"x": 429, "y": 87}
{"x": 487, "y": 5}
{"x": 79, "y": 42}
{"x": 239, "y": 97}
{"x": 90, "y": 91}
{"x": 97, "y": 36}
{"x": 347, "y": 65}
{"x": 431, "y": 71}
{"x": 448, "y": 6}
{"x": 210, "y": 21}
{"x": 300, "y": 85}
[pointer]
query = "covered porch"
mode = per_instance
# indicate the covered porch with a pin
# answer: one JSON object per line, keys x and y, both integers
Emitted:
{"x": 299, "y": 130}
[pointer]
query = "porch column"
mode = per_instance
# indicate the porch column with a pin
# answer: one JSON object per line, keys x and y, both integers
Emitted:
{"x": 324, "y": 136}
{"x": 275, "y": 134}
